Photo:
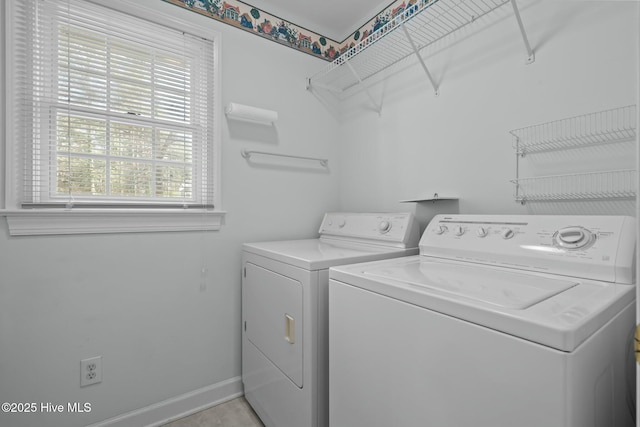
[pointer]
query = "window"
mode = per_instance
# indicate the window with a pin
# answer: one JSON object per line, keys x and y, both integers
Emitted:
{"x": 110, "y": 111}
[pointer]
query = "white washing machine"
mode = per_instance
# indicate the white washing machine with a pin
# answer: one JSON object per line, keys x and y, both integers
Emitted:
{"x": 501, "y": 321}
{"x": 284, "y": 310}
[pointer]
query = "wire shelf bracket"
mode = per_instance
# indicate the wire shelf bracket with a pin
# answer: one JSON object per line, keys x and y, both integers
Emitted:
{"x": 417, "y": 52}
{"x": 532, "y": 57}
{"x": 366, "y": 88}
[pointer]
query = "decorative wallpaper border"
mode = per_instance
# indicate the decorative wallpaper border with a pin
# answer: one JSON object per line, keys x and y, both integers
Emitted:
{"x": 261, "y": 23}
{"x": 394, "y": 9}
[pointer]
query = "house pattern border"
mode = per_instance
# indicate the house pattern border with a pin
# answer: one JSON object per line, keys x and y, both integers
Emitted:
{"x": 249, "y": 18}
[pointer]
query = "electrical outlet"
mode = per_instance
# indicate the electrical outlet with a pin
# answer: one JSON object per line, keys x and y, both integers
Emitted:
{"x": 90, "y": 371}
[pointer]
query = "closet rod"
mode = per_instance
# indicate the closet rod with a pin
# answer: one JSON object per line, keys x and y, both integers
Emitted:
{"x": 247, "y": 154}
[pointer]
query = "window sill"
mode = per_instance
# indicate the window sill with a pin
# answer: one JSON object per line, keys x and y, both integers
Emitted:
{"x": 34, "y": 222}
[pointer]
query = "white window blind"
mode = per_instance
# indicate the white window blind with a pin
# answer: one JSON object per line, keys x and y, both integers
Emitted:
{"x": 112, "y": 110}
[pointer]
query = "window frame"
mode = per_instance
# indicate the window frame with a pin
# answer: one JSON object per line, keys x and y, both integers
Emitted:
{"x": 142, "y": 216}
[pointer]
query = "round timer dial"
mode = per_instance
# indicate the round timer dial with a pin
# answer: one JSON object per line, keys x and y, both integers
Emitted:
{"x": 573, "y": 238}
{"x": 384, "y": 226}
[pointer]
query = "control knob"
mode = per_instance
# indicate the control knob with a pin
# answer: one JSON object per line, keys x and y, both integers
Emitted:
{"x": 573, "y": 238}
{"x": 384, "y": 226}
{"x": 507, "y": 233}
{"x": 458, "y": 230}
{"x": 481, "y": 232}
{"x": 441, "y": 229}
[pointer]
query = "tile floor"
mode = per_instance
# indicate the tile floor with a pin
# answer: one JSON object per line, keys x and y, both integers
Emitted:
{"x": 234, "y": 413}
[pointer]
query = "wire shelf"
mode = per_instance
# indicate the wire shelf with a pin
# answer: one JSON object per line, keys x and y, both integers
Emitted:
{"x": 604, "y": 127}
{"x": 618, "y": 184}
{"x": 425, "y": 22}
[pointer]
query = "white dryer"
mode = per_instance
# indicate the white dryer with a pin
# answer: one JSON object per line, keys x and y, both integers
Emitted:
{"x": 501, "y": 321}
{"x": 284, "y": 310}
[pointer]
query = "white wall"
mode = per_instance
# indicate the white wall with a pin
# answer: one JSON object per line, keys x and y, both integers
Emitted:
{"x": 136, "y": 299}
{"x": 458, "y": 143}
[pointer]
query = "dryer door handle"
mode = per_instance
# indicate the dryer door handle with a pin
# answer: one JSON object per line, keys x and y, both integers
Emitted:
{"x": 289, "y": 329}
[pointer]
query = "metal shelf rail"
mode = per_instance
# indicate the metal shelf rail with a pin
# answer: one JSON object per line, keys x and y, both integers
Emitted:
{"x": 421, "y": 24}
{"x": 248, "y": 153}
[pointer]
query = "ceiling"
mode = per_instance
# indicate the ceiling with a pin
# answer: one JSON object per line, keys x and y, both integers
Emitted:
{"x": 335, "y": 19}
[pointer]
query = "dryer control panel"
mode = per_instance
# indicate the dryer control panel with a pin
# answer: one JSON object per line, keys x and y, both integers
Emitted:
{"x": 591, "y": 247}
{"x": 389, "y": 229}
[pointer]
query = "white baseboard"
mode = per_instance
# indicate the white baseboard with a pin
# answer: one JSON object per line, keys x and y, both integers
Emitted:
{"x": 177, "y": 407}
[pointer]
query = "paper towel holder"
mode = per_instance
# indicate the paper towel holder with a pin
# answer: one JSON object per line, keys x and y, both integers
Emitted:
{"x": 251, "y": 114}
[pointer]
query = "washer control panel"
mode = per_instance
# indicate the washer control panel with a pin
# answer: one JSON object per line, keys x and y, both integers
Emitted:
{"x": 595, "y": 247}
{"x": 395, "y": 229}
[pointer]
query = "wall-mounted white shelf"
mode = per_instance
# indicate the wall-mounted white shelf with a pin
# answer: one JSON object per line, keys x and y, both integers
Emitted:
{"x": 601, "y": 128}
{"x": 420, "y": 25}
{"x": 435, "y": 197}
{"x": 607, "y": 185}
{"x": 604, "y": 127}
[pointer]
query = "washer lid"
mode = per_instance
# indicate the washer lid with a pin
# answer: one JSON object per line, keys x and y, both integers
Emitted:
{"x": 501, "y": 288}
{"x": 316, "y": 254}
{"x": 556, "y": 311}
